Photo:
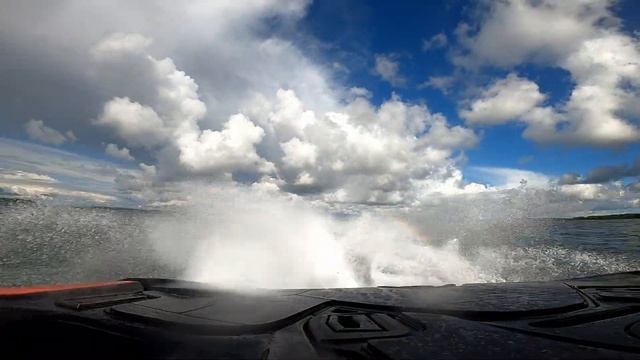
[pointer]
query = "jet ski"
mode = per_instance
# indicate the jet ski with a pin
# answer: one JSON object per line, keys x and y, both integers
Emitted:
{"x": 585, "y": 318}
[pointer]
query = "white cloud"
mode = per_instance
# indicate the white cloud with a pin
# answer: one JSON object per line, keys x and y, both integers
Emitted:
{"x": 287, "y": 116}
{"x": 7, "y": 174}
{"x": 356, "y": 153}
{"x": 449, "y": 183}
{"x": 517, "y": 31}
{"x": 37, "y": 190}
{"x": 37, "y": 130}
{"x": 251, "y": 107}
{"x": 359, "y": 150}
{"x": 442, "y": 135}
{"x": 92, "y": 181}
{"x": 386, "y": 154}
{"x": 241, "y": 58}
{"x": 119, "y": 44}
{"x": 509, "y": 178}
{"x": 586, "y": 191}
{"x": 298, "y": 153}
{"x": 388, "y": 69}
{"x": 170, "y": 125}
{"x": 442, "y": 83}
{"x": 360, "y": 92}
{"x": 504, "y": 100}
{"x": 70, "y": 136}
{"x": 437, "y": 41}
{"x": 228, "y": 150}
{"x": 541, "y": 195}
{"x": 56, "y": 163}
{"x": 41, "y": 171}
{"x": 137, "y": 124}
{"x": 248, "y": 106}
{"x": 114, "y": 151}
{"x": 583, "y": 38}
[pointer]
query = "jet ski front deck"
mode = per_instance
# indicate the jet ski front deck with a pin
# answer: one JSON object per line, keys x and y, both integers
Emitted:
{"x": 589, "y": 318}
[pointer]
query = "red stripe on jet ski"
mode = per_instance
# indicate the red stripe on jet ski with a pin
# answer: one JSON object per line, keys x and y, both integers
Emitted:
{"x": 39, "y": 289}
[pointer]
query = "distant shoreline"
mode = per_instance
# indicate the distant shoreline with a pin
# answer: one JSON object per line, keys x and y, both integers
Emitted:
{"x": 24, "y": 201}
{"x": 607, "y": 217}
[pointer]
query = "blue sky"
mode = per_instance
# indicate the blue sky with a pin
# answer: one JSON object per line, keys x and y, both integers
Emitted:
{"x": 366, "y": 102}
{"x": 355, "y": 30}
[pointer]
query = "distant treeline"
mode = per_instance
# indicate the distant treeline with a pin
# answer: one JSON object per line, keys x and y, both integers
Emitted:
{"x": 11, "y": 201}
{"x": 608, "y": 217}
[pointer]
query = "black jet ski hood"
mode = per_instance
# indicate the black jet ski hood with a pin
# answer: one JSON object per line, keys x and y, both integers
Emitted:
{"x": 589, "y": 318}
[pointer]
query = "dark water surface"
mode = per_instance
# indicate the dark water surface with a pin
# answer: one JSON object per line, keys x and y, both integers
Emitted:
{"x": 43, "y": 244}
{"x": 47, "y": 244}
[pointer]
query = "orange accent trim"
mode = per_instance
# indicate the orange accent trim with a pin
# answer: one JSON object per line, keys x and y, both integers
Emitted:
{"x": 38, "y": 289}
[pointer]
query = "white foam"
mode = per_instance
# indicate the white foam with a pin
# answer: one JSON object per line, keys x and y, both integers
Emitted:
{"x": 246, "y": 238}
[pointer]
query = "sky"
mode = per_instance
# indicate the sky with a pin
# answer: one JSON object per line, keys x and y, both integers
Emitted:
{"x": 352, "y": 102}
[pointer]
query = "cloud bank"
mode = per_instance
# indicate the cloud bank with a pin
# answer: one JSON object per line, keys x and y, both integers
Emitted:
{"x": 230, "y": 98}
{"x": 359, "y": 153}
{"x": 585, "y": 39}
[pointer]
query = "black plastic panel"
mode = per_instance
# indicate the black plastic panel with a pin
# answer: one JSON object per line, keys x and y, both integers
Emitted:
{"x": 590, "y": 318}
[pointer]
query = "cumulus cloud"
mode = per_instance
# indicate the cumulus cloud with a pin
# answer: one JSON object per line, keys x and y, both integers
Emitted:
{"x": 358, "y": 152}
{"x": 504, "y": 100}
{"x": 228, "y": 150}
{"x": 512, "y": 32}
{"x": 591, "y": 191}
{"x": 136, "y": 124}
{"x": 250, "y": 107}
{"x": 443, "y": 136}
{"x": 585, "y": 39}
{"x": 437, "y": 41}
{"x": 114, "y": 151}
{"x": 241, "y": 57}
{"x": 299, "y": 154}
{"x": 37, "y": 130}
{"x": 170, "y": 123}
{"x": 363, "y": 153}
{"x": 388, "y": 68}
